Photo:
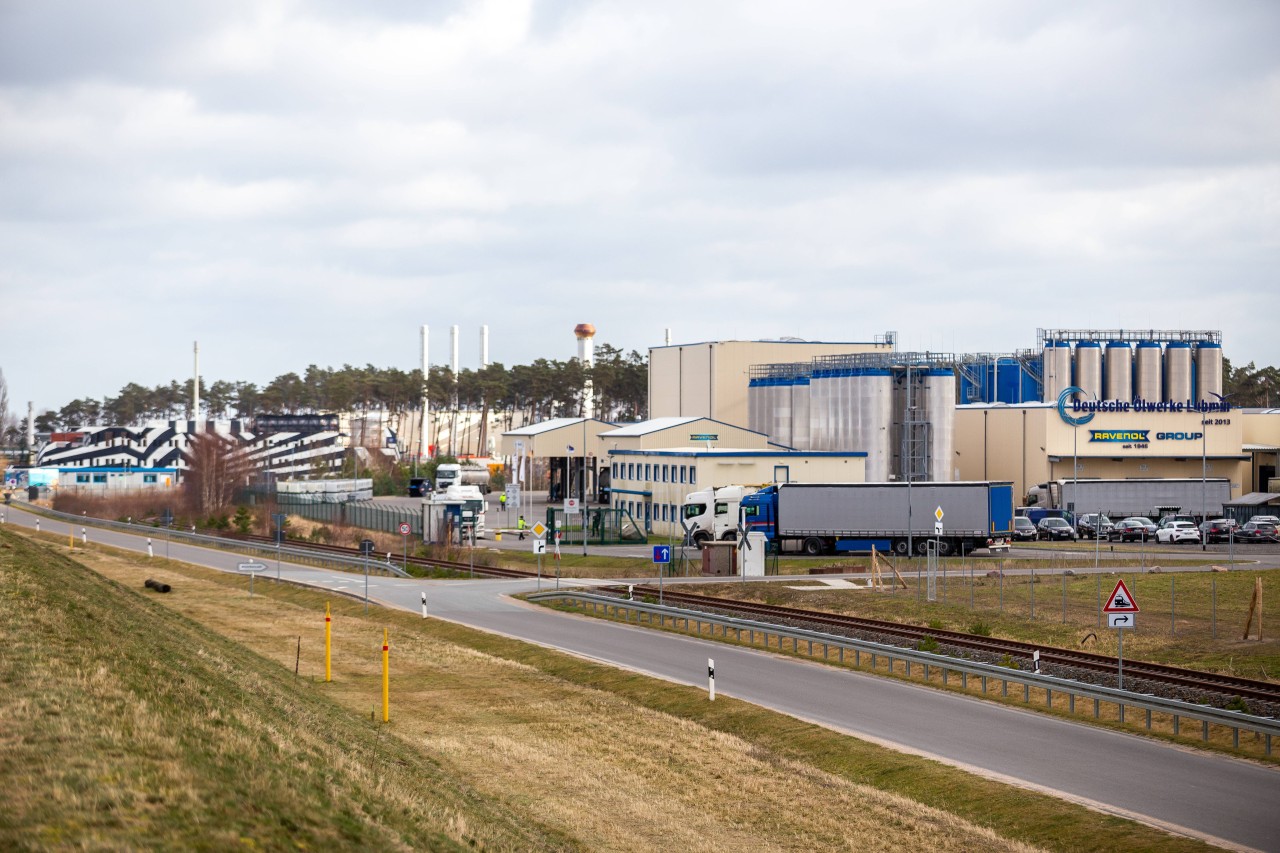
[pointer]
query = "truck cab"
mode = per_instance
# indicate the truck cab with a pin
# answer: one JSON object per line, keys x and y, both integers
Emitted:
{"x": 713, "y": 513}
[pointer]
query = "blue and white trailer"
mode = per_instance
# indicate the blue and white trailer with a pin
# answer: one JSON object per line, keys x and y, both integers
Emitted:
{"x": 817, "y": 518}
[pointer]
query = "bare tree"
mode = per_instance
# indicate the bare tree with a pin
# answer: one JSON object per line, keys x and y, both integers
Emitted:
{"x": 6, "y": 418}
{"x": 217, "y": 467}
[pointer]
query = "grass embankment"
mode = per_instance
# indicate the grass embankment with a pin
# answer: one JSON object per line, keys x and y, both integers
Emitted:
{"x": 484, "y": 729}
{"x": 1192, "y": 619}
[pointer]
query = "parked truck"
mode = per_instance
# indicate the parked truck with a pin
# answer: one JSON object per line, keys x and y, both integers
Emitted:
{"x": 713, "y": 513}
{"x": 1148, "y": 497}
{"x": 455, "y": 474}
{"x": 829, "y": 518}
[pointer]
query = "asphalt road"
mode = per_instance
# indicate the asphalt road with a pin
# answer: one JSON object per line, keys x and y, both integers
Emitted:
{"x": 1214, "y": 797}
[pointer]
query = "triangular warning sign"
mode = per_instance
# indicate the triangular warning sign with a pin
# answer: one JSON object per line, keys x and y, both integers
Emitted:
{"x": 1120, "y": 601}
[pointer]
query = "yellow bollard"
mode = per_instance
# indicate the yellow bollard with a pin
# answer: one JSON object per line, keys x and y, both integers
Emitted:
{"x": 328, "y": 646}
{"x": 386, "y": 678}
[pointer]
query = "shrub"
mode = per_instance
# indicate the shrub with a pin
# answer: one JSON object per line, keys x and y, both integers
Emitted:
{"x": 927, "y": 644}
{"x": 1238, "y": 704}
{"x": 980, "y": 629}
{"x": 242, "y": 520}
{"x": 936, "y": 624}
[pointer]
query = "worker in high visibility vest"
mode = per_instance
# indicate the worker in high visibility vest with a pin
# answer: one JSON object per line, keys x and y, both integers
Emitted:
{"x": 520, "y": 525}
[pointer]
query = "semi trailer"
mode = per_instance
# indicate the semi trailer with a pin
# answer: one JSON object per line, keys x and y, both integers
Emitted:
{"x": 713, "y": 513}
{"x": 830, "y": 518}
{"x": 1147, "y": 497}
{"x": 454, "y": 474}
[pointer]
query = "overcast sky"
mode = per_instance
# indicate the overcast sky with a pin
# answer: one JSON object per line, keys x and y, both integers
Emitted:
{"x": 296, "y": 183}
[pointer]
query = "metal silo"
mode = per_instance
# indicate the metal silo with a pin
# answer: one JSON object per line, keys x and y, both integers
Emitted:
{"x": 780, "y": 411}
{"x": 1057, "y": 369}
{"x": 1208, "y": 372}
{"x": 820, "y": 411}
{"x": 1119, "y": 372}
{"x": 940, "y": 409}
{"x": 871, "y": 420}
{"x": 1089, "y": 369}
{"x": 1177, "y": 372}
{"x": 1146, "y": 372}
{"x": 800, "y": 413}
{"x": 756, "y": 404}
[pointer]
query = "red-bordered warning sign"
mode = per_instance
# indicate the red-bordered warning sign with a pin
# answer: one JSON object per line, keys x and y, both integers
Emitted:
{"x": 1121, "y": 601}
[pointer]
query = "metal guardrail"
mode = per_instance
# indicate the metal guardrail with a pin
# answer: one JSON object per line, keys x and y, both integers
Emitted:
{"x": 292, "y": 553}
{"x": 929, "y": 662}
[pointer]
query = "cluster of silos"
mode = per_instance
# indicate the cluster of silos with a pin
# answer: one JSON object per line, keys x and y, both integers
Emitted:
{"x": 1177, "y": 372}
{"x": 897, "y": 408}
{"x": 851, "y": 408}
{"x": 778, "y": 403}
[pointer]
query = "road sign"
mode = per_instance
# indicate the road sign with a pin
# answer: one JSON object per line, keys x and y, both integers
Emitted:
{"x": 571, "y": 506}
{"x": 1121, "y": 620}
{"x": 1121, "y": 601}
{"x": 539, "y": 546}
{"x": 405, "y": 528}
{"x": 539, "y": 529}
{"x": 366, "y": 546}
{"x": 937, "y": 527}
{"x": 662, "y": 553}
{"x": 938, "y": 513}
{"x": 251, "y": 567}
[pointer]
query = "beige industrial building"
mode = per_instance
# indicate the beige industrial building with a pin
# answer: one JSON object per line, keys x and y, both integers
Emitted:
{"x": 1031, "y": 444}
{"x": 710, "y": 379}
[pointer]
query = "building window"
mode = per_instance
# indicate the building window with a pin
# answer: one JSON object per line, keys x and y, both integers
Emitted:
{"x": 148, "y": 478}
{"x": 693, "y": 474}
{"x": 664, "y": 473}
{"x": 646, "y": 472}
{"x": 82, "y": 478}
{"x": 631, "y": 470}
{"x": 99, "y": 478}
{"x": 682, "y": 473}
{"x": 613, "y": 470}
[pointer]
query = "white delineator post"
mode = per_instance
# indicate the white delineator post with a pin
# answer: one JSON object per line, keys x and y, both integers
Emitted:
{"x": 150, "y": 553}
{"x": 711, "y": 678}
{"x": 424, "y": 605}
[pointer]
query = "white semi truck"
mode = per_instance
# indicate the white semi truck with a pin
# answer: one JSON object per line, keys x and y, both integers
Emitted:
{"x": 713, "y": 513}
{"x": 455, "y": 474}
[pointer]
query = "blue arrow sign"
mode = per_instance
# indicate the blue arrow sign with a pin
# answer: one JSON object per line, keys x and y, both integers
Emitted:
{"x": 662, "y": 553}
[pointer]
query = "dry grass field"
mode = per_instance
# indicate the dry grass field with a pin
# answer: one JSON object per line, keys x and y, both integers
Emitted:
{"x": 133, "y": 719}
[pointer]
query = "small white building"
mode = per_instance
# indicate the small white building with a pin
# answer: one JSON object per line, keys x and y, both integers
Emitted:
{"x": 112, "y": 479}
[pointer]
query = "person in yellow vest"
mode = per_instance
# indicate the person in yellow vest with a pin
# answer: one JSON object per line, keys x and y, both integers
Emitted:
{"x": 520, "y": 525}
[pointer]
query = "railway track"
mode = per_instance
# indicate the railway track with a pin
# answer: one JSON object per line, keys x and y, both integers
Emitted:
{"x": 1184, "y": 678}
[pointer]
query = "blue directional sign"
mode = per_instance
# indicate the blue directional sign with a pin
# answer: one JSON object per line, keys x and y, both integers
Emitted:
{"x": 662, "y": 553}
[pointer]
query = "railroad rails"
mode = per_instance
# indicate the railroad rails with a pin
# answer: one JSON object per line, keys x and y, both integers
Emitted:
{"x": 422, "y": 562}
{"x": 831, "y": 622}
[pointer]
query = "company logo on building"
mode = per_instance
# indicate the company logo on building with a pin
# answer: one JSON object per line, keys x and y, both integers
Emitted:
{"x": 1119, "y": 434}
{"x": 1062, "y": 407}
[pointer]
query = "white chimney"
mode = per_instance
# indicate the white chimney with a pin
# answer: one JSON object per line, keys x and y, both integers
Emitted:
{"x": 484, "y": 347}
{"x": 195, "y": 385}
{"x": 453, "y": 349}
{"x": 668, "y": 337}
{"x": 586, "y": 334}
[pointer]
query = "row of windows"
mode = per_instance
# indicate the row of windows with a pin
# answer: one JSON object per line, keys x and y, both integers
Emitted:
{"x": 654, "y": 472}
{"x": 640, "y": 511}
{"x": 102, "y": 478}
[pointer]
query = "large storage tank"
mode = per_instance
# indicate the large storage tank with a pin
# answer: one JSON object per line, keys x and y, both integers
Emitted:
{"x": 1119, "y": 371}
{"x": 1146, "y": 372}
{"x": 871, "y": 420}
{"x": 780, "y": 411}
{"x": 757, "y": 404}
{"x": 1089, "y": 369}
{"x": 1177, "y": 372}
{"x": 1208, "y": 372}
{"x": 1057, "y": 369}
{"x": 800, "y": 413}
{"x": 820, "y": 411}
{"x": 940, "y": 409}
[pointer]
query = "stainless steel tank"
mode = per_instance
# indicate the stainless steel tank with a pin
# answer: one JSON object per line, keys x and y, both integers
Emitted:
{"x": 780, "y": 411}
{"x": 940, "y": 409}
{"x": 1057, "y": 369}
{"x": 1089, "y": 369}
{"x": 820, "y": 411}
{"x": 800, "y": 414}
{"x": 757, "y": 405}
{"x": 1208, "y": 372}
{"x": 1119, "y": 372}
{"x": 1146, "y": 372}
{"x": 871, "y": 420}
{"x": 1177, "y": 372}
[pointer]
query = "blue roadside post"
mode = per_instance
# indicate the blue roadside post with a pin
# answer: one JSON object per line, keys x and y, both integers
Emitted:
{"x": 661, "y": 559}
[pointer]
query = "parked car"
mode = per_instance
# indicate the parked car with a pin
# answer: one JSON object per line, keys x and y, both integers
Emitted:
{"x": 1089, "y": 525}
{"x": 1134, "y": 529}
{"x": 1217, "y": 530}
{"x": 1258, "y": 531}
{"x": 1266, "y": 519}
{"x": 1176, "y": 532}
{"x": 1055, "y": 528}
{"x": 1023, "y": 528}
{"x": 1166, "y": 520}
